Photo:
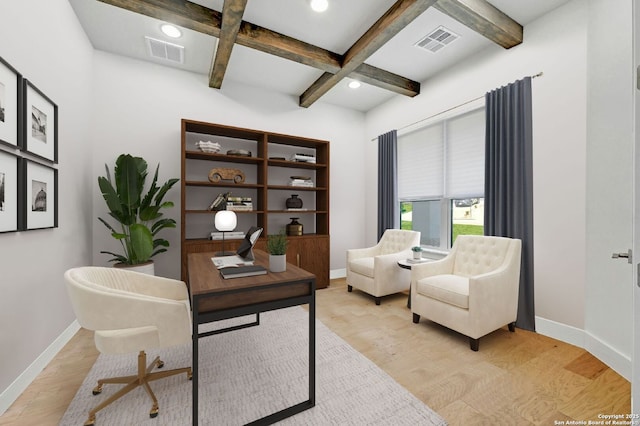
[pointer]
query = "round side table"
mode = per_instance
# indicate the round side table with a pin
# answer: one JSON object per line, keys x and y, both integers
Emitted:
{"x": 407, "y": 264}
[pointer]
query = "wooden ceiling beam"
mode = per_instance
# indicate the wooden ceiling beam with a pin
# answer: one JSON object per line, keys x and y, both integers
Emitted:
{"x": 385, "y": 80}
{"x": 207, "y": 21}
{"x": 385, "y": 28}
{"x": 485, "y": 19}
{"x": 232, "y": 12}
{"x": 178, "y": 12}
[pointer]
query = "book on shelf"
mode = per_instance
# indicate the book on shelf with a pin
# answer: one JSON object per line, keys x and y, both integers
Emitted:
{"x": 240, "y": 204}
{"x": 239, "y": 199}
{"x": 305, "y": 158}
{"x": 233, "y": 235}
{"x": 301, "y": 182}
{"x": 240, "y": 207}
{"x": 242, "y": 271}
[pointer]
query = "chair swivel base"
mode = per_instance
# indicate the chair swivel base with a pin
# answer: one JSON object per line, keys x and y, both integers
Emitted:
{"x": 143, "y": 378}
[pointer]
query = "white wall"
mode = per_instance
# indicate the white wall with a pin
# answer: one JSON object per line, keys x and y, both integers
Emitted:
{"x": 609, "y": 177}
{"x": 138, "y": 107}
{"x": 44, "y": 42}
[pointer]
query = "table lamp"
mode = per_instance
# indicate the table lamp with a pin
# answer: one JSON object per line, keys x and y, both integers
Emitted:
{"x": 225, "y": 221}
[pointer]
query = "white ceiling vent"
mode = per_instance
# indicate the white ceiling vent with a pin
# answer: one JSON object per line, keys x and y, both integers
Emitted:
{"x": 160, "y": 49}
{"x": 437, "y": 39}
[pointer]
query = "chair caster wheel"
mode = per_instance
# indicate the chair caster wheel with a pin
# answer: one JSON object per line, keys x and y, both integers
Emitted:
{"x": 91, "y": 421}
{"x": 154, "y": 412}
{"x": 97, "y": 390}
{"x": 160, "y": 364}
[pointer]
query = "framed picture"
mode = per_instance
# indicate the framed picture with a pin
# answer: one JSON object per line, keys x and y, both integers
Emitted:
{"x": 9, "y": 206}
{"x": 40, "y": 123}
{"x": 40, "y": 196}
{"x": 10, "y": 104}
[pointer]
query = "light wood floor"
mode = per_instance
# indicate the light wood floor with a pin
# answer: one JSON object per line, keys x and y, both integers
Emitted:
{"x": 516, "y": 378}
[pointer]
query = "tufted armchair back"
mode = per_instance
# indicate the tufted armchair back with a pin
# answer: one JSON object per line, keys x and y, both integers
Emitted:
{"x": 477, "y": 254}
{"x": 395, "y": 240}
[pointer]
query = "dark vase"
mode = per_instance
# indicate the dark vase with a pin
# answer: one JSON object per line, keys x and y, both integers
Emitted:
{"x": 294, "y": 202}
{"x": 295, "y": 227}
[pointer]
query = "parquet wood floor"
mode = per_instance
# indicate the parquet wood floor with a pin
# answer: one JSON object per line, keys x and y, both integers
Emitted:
{"x": 519, "y": 378}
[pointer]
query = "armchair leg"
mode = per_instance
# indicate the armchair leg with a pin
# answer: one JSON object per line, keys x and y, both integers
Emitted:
{"x": 512, "y": 327}
{"x": 474, "y": 344}
{"x": 349, "y": 288}
{"x": 416, "y": 318}
{"x": 378, "y": 299}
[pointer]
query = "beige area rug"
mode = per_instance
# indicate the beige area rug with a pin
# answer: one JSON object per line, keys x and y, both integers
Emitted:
{"x": 253, "y": 372}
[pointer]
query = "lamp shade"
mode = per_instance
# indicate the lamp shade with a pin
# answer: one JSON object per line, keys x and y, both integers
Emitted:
{"x": 226, "y": 220}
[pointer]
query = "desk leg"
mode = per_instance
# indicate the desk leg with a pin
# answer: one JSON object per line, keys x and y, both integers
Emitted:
{"x": 194, "y": 365}
{"x": 409, "y": 299}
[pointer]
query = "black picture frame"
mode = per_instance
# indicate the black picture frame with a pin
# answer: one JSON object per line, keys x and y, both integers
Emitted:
{"x": 10, "y": 206}
{"x": 39, "y": 127}
{"x": 39, "y": 193}
{"x": 10, "y": 105}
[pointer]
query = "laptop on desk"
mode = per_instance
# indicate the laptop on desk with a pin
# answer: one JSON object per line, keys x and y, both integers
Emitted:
{"x": 244, "y": 254}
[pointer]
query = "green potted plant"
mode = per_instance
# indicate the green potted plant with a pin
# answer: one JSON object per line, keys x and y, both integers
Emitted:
{"x": 417, "y": 252}
{"x": 137, "y": 213}
{"x": 277, "y": 249}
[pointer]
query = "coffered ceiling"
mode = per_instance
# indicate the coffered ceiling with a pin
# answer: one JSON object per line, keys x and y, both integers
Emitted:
{"x": 284, "y": 46}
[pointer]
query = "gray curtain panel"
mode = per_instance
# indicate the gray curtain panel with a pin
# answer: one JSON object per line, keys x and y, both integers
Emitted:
{"x": 387, "y": 181}
{"x": 508, "y": 181}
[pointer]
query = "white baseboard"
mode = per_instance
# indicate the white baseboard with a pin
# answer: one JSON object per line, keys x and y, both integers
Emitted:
{"x": 15, "y": 389}
{"x": 617, "y": 361}
{"x": 337, "y": 273}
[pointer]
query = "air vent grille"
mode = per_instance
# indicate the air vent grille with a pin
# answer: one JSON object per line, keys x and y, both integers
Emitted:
{"x": 160, "y": 49}
{"x": 437, "y": 39}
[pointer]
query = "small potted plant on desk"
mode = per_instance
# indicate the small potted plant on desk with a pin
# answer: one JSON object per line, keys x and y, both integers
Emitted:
{"x": 417, "y": 252}
{"x": 277, "y": 249}
{"x": 136, "y": 213}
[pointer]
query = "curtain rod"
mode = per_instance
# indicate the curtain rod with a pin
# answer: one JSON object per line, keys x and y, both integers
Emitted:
{"x": 540, "y": 74}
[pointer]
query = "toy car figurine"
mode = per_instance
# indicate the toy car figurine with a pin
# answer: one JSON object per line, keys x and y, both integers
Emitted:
{"x": 222, "y": 173}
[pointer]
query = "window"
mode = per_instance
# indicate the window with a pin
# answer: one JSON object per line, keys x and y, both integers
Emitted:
{"x": 441, "y": 179}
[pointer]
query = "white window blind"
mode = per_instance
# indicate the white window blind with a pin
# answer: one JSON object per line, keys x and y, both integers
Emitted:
{"x": 420, "y": 164}
{"x": 445, "y": 159}
{"x": 465, "y": 155}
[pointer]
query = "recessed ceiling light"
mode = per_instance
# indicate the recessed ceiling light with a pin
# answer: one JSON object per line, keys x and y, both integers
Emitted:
{"x": 319, "y": 5}
{"x": 354, "y": 84}
{"x": 170, "y": 31}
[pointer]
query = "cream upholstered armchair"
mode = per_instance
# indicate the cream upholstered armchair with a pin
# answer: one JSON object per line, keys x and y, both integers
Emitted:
{"x": 473, "y": 290}
{"x": 130, "y": 312}
{"x": 375, "y": 270}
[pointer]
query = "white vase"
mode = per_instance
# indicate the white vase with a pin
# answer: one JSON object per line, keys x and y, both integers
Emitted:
{"x": 145, "y": 268}
{"x": 277, "y": 262}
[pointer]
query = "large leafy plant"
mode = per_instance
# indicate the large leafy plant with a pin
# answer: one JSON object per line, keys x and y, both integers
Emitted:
{"x": 138, "y": 215}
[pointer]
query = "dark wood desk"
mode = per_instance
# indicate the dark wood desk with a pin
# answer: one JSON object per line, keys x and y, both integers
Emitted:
{"x": 214, "y": 298}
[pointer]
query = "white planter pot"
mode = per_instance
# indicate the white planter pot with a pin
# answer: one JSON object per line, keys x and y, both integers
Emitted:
{"x": 417, "y": 255}
{"x": 277, "y": 262}
{"x": 145, "y": 268}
